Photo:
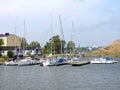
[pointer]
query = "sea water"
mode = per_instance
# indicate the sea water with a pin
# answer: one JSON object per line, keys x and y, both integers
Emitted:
{"x": 66, "y": 77}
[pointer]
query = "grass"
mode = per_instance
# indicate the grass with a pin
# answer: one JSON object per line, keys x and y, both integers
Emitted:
{"x": 111, "y": 50}
{"x": 2, "y": 59}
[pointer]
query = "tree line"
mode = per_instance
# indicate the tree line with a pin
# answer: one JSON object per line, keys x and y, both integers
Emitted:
{"x": 55, "y": 45}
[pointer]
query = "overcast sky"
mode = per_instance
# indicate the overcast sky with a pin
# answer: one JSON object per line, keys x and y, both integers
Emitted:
{"x": 96, "y": 22}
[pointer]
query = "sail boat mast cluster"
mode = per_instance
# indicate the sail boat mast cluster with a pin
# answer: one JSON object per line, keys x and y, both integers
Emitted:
{"x": 62, "y": 37}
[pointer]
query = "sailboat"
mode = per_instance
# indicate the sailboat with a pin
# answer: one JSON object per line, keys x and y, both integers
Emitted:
{"x": 75, "y": 60}
{"x": 102, "y": 60}
{"x": 27, "y": 60}
{"x": 61, "y": 60}
{"x": 12, "y": 62}
{"x": 49, "y": 60}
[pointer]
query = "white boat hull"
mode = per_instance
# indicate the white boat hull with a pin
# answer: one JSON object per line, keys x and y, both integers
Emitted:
{"x": 48, "y": 63}
{"x": 26, "y": 61}
{"x": 10, "y": 63}
{"x": 102, "y": 61}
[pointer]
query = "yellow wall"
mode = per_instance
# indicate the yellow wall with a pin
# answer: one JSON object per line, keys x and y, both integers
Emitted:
{"x": 11, "y": 40}
{"x": 4, "y": 39}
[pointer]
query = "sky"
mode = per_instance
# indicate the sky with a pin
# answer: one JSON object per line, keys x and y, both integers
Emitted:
{"x": 95, "y": 22}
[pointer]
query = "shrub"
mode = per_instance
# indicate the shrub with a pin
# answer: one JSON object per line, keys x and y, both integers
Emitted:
{"x": 2, "y": 59}
{"x": 10, "y": 54}
{"x": 4, "y": 56}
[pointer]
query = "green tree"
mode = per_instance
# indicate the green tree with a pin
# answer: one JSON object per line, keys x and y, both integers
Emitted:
{"x": 35, "y": 43}
{"x": 1, "y": 43}
{"x": 55, "y": 41}
{"x": 56, "y": 44}
{"x": 10, "y": 54}
{"x": 70, "y": 46}
{"x": 46, "y": 49}
{"x": 23, "y": 42}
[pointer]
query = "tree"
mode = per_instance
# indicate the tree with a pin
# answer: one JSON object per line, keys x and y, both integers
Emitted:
{"x": 46, "y": 48}
{"x": 55, "y": 41}
{"x": 56, "y": 44}
{"x": 10, "y": 54}
{"x": 35, "y": 43}
{"x": 70, "y": 46}
{"x": 1, "y": 43}
{"x": 23, "y": 42}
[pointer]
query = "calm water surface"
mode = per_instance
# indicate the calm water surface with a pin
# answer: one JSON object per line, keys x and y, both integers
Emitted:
{"x": 87, "y": 77}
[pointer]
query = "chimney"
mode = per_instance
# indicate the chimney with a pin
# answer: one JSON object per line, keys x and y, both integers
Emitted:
{"x": 6, "y": 34}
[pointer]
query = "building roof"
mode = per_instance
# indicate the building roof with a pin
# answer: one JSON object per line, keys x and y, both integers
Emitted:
{"x": 5, "y": 35}
{"x": 13, "y": 48}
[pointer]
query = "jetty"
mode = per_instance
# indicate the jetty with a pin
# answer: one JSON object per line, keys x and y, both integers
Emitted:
{"x": 80, "y": 63}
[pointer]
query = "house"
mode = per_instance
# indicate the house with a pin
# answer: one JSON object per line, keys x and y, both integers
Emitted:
{"x": 10, "y": 39}
{"x": 13, "y": 42}
{"x": 19, "y": 51}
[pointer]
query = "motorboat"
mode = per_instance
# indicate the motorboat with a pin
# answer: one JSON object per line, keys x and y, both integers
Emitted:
{"x": 10, "y": 63}
{"x": 26, "y": 61}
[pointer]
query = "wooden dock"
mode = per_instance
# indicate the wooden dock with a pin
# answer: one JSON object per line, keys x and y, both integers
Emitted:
{"x": 61, "y": 63}
{"x": 80, "y": 63}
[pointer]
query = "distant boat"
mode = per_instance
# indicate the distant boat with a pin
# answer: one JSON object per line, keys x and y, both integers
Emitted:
{"x": 102, "y": 60}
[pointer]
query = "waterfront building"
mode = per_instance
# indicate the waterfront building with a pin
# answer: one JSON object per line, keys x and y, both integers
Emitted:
{"x": 19, "y": 51}
{"x": 13, "y": 42}
{"x": 10, "y": 39}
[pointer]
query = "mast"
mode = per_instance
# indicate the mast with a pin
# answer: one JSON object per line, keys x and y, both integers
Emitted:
{"x": 62, "y": 37}
{"x": 15, "y": 41}
{"x": 51, "y": 32}
{"x": 23, "y": 39}
{"x": 72, "y": 40}
{"x": 71, "y": 44}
